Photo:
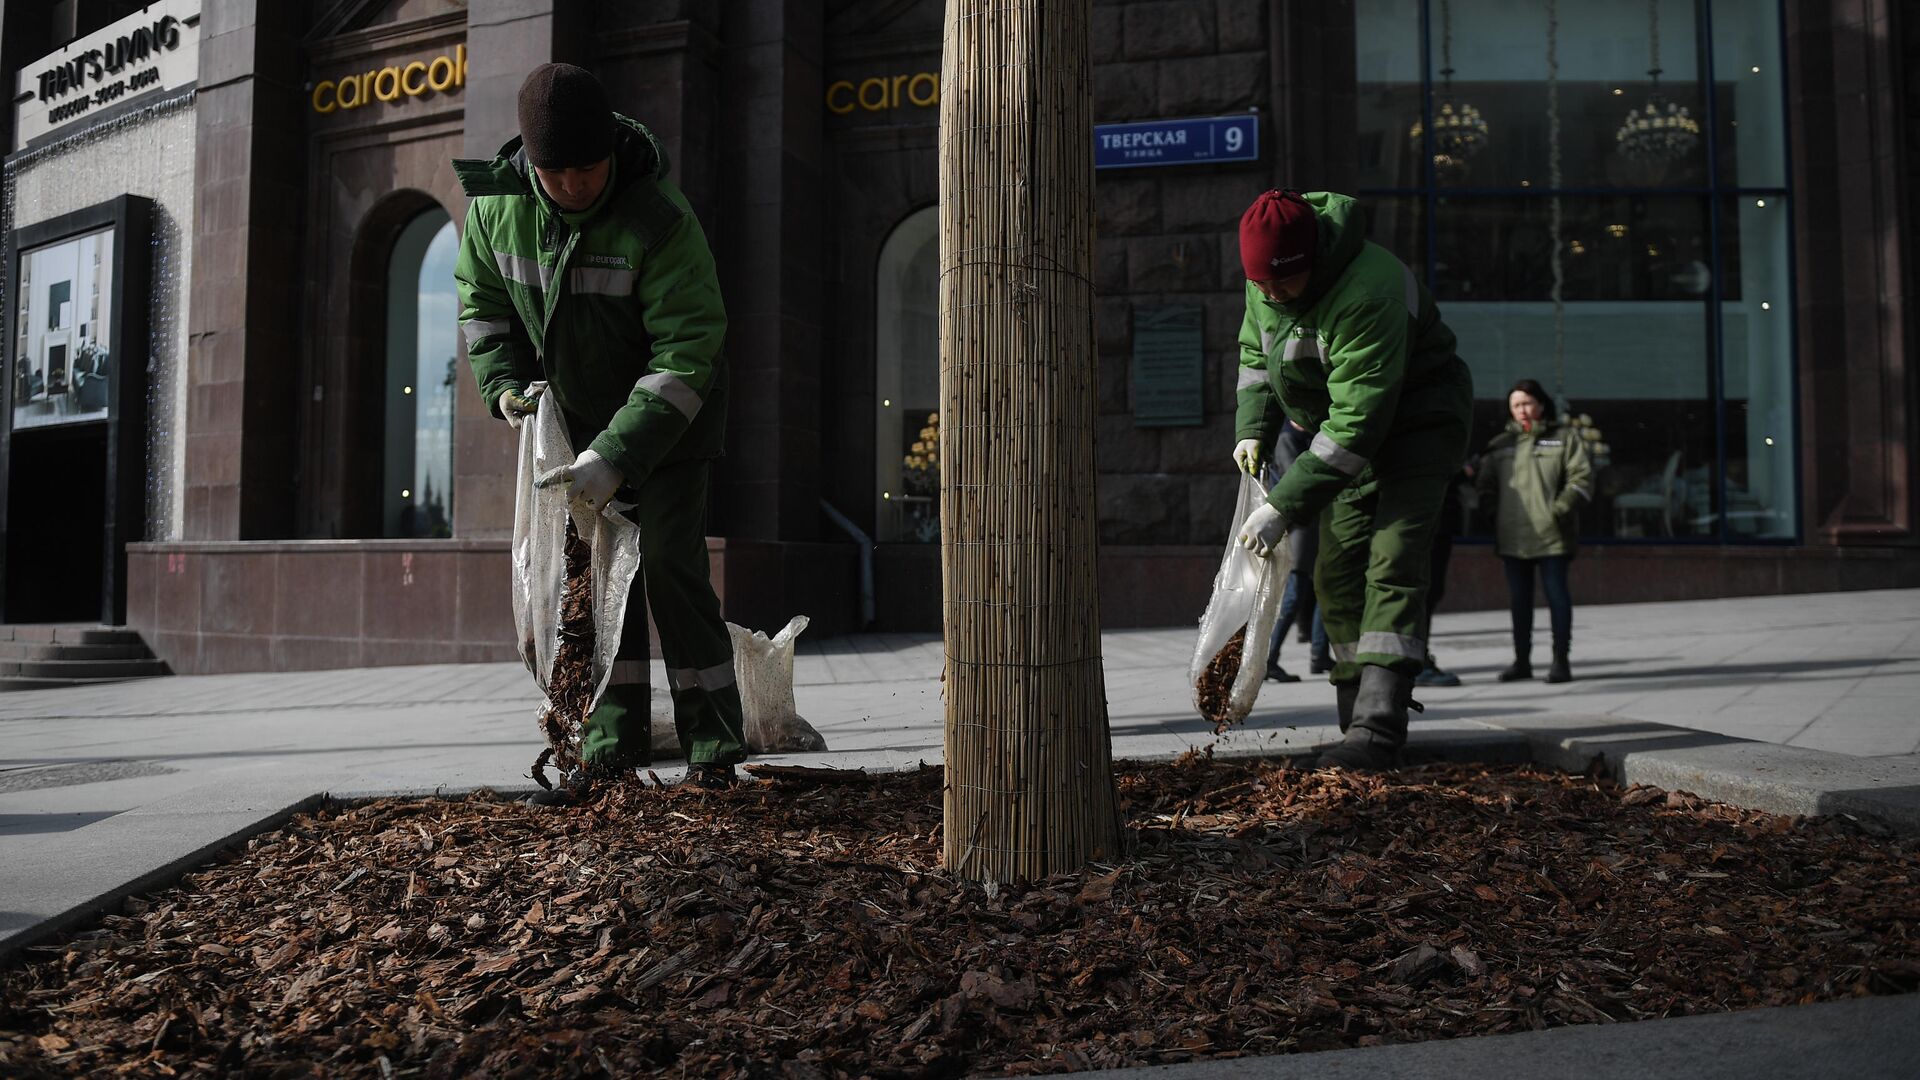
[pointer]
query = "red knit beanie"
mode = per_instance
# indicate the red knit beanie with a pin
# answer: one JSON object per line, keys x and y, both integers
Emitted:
{"x": 1277, "y": 235}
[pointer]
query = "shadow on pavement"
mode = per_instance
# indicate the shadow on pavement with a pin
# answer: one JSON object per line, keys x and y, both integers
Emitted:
{"x": 40, "y": 824}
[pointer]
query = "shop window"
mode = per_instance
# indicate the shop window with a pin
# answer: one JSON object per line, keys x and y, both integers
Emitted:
{"x": 422, "y": 352}
{"x": 907, "y": 382}
{"x": 1606, "y": 214}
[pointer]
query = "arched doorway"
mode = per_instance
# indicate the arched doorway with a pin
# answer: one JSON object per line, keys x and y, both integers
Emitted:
{"x": 422, "y": 351}
{"x": 907, "y": 382}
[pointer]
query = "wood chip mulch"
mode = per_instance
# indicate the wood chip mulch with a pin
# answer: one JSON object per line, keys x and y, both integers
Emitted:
{"x": 781, "y": 929}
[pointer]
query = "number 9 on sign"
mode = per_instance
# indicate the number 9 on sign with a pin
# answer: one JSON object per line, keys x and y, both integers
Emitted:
{"x": 1236, "y": 137}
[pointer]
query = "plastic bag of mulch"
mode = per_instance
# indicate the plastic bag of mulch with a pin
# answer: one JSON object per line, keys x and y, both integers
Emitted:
{"x": 571, "y": 572}
{"x": 1230, "y": 659}
{"x": 763, "y": 668}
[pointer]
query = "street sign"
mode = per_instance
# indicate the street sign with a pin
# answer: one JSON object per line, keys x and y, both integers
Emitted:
{"x": 1166, "y": 366}
{"x": 1208, "y": 139}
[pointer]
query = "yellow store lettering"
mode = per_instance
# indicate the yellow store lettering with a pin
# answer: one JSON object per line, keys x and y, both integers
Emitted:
{"x": 410, "y": 80}
{"x": 878, "y": 94}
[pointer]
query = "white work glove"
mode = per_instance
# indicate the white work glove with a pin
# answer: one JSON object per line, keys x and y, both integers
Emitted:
{"x": 1246, "y": 456}
{"x": 516, "y": 407}
{"x": 590, "y": 480}
{"x": 1263, "y": 530}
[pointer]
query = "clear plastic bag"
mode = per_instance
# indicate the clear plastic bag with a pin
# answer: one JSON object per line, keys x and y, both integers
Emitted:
{"x": 540, "y": 566}
{"x": 1246, "y": 596}
{"x": 763, "y": 667}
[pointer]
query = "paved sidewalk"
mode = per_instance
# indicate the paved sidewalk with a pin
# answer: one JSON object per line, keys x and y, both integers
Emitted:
{"x": 99, "y": 785}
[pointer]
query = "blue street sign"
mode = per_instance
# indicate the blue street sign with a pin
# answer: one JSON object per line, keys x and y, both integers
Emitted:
{"x": 1210, "y": 139}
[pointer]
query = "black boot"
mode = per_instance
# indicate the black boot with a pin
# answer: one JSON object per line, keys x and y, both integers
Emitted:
{"x": 1559, "y": 672}
{"x": 1379, "y": 726}
{"x": 1521, "y": 668}
{"x": 1343, "y": 695}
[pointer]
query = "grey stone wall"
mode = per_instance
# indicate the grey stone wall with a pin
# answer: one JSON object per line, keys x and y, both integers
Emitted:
{"x": 1169, "y": 235}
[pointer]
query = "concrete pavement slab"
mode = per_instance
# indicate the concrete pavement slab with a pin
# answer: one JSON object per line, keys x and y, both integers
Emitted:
{"x": 1866, "y": 1039}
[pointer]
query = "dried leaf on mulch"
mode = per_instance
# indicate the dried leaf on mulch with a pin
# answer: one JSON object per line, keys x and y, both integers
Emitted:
{"x": 807, "y": 930}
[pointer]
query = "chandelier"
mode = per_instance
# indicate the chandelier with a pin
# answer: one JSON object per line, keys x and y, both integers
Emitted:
{"x": 1662, "y": 130}
{"x": 1459, "y": 131}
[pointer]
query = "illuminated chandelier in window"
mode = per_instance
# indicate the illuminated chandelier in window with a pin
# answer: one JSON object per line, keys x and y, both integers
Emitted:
{"x": 1459, "y": 131}
{"x": 1663, "y": 130}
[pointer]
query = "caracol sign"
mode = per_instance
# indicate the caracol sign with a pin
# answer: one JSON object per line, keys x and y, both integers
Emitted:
{"x": 143, "y": 55}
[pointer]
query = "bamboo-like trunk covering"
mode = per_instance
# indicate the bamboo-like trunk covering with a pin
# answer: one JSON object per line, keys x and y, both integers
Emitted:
{"x": 1029, "y": 764}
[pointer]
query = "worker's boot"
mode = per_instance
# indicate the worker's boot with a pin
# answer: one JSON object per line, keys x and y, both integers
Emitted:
{"x": 1343, "y": 695}
{"x": 1379, "y": 727}
{"x": 1559, "y": 672}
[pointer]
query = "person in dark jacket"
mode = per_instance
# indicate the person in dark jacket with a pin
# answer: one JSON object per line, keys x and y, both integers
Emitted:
{"x": 1298, "y": 608}
{"x": 1536, "y": 474}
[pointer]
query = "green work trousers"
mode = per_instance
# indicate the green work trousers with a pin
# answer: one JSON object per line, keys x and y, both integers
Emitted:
{"x": 671, "y": 510}
{"x": 1376, "y": 539}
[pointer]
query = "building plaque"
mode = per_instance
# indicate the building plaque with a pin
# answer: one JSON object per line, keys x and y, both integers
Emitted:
{"x": 1167, "y": 366}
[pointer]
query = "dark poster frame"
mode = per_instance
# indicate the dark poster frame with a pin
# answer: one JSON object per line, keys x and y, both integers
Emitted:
{"x": 124, "y": 490}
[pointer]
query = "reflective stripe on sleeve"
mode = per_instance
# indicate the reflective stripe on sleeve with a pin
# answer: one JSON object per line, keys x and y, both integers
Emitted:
{"x": 1250, "y": 377}
{"x": 522, "y": 269}
{"x": 673, "y": 391}
{"x": 717, "y": 677}
{"x": 1336, "y": 455}
{"x": 1267, "y": 340}
{"x": 1381, "y": 643}
{"x": 476, "y": 329}
{"x": 1308, "y": 347}
{"x": 1413, "y": 292}
{"x": 1343, "y": 651}
{"x": 602, "y": 281}
{"x": 628, "y": 673}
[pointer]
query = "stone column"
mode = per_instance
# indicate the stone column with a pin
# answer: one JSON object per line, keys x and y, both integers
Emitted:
{"x": 243, "y": 336}
{"x": 1853, "y": 275}
{"x": 505, "y": 40}
{"x": 769, "y": 244}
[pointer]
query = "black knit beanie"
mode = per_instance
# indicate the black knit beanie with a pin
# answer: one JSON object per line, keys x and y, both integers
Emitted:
{"x": 565, "y": 121}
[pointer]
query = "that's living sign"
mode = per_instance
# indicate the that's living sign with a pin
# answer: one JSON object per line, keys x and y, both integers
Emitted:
{"x": 1204, "y": 139}
{"x": 154, "y": 49}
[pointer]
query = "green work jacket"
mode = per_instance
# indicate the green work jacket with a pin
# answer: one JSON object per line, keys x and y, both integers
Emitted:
{"x": 617, "y": 306}
{"x": 1360, "y": 355}
{"x": 1537, "y": 480}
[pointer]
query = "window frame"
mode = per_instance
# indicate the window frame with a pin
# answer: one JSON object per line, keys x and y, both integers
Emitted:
{"x": 1717, "y": 196}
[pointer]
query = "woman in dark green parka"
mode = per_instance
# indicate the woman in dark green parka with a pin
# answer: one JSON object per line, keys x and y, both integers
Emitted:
{"x": 1536, "y": 474}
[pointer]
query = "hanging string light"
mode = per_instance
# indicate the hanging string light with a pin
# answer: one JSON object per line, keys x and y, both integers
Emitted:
{"x": 1459, "y": 131}
{"x": 1662, "y": 130}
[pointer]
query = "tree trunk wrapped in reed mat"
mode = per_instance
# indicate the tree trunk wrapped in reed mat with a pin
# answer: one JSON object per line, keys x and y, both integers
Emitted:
{"x": 1029, "y": 767}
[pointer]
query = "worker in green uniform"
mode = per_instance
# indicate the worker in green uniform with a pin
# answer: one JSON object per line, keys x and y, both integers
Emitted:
{"x": 582, "y": 265}
{"x": 1341, "y": 338}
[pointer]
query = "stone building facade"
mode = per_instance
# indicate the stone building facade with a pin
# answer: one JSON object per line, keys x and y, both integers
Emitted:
{"x": 319, "y": 494}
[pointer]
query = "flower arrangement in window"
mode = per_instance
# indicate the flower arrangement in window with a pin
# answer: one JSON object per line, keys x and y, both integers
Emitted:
{"x": 922, "y": 476}
{"x": 920, "y": 482}
{"x": 1589, "y": 432}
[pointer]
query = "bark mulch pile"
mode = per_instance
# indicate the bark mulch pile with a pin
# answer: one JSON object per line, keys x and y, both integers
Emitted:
{"x": 1214, "y": 688}
{"x": 807, "y": 931}
{"x": 570, "y": 689}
